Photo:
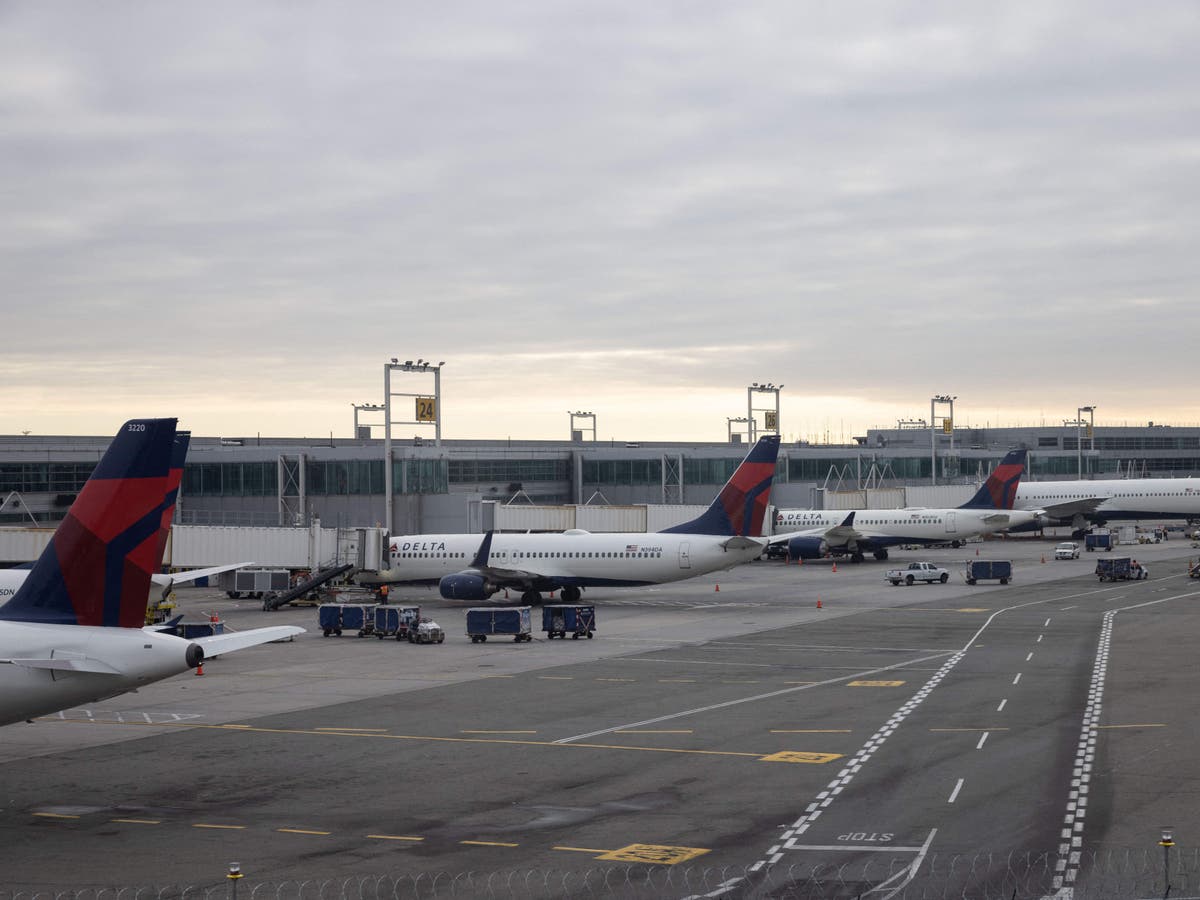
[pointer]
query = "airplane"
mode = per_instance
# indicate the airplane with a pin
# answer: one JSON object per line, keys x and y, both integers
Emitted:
{"x": 11, "y": 579}
{"x": 729, "y": 532}
{"x": 814, "y": 534}
{"x": 74, "y": 630}
{"x": 1082, "y": 503}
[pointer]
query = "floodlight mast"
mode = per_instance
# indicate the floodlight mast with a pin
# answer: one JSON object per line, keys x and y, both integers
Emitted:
{"x": 421, "y": 366}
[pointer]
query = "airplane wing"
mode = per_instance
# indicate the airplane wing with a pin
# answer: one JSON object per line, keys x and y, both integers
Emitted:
{"x": 239, "y": 640}
{"x": 834, "y": 534}
{"x": 193, "y": 574}
{"x": 1069, "y": 509}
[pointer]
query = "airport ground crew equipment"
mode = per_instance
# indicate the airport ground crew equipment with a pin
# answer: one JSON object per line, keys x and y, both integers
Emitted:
{"x": 1102, "y": 540}
{"x": 561, "y": 619}
{"x": 396, "y": 621}
{"x": 918, "y": 571}
{"x": 1193, "y": 570}
{"x": 275, "y": 600}
{"x": 427, "y": 631}
{"x": 492, "y": 621}
{"x": 334, "y": 618}
{"x": 1113, "y": 568}
{"x": 988, "y": 570}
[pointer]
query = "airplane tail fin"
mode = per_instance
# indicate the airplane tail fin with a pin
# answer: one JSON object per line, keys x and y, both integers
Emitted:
{"x": 96, "y": 569}
{"x": 1000, "y": 490}
{"x": 740, "y": 507}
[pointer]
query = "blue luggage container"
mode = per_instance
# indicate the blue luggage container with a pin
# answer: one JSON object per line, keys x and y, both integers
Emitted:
{"x": 985, "y": 569}
{"x": 1099, "y": 541}
{"x": 396, "y": 621}
{"x": 1113, "y": 568}
{"x": 559, "y": 620}
{"x": 359, "y": 617}
{"x": 486, "y": 621}
{"x": 329, "y": 618}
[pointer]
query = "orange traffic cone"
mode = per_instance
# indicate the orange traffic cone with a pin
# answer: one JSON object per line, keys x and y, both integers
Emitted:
{"x": 506, "y": 593}
{"x": 835, "y": 567}
{"x": 800, "y": 561}
{"x": 1043, "y": 559}
{"x": 976, "y": 551}
{"x": 717, "y": 589}
{"x": 200, "y": 668}
{"x": 818, "y": 603}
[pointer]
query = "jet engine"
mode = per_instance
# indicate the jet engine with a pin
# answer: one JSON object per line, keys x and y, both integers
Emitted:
{"x": 807, "y": 548}
{"x": 466, "y": 586}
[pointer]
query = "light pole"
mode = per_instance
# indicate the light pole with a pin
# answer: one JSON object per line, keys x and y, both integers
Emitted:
{"x": 939, "y": 398}
{"x": 1167, "y": 842}
{"x": 770, "y": 414}
{"x": 364, "y": 407}
{"x": 423, "y": 416}
{"x": 1091, "y": 411}
{"x": 578, "y": 414}
{"x": 741, "y": 420}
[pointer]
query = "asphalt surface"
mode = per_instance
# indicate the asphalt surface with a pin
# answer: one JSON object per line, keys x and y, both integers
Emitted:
{"x": 770, "y": 719}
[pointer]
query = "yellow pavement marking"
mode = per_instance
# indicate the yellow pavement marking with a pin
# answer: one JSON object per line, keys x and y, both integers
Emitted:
{"x": 677, "y": 681}
{"x": 139, "y": 821}
{"x": 557, "y": 677}
{"x": 986, "y": 728}
{"x": 874, "y": 683}
{"x": 581, "y": 849}
{"x": 482, "y": 731}
{"x": 797, "y": 756}
{"x": 56, "y": 816}
{"x": 652, "y": 731}
{"x": 220, "y": 827}
{"x": 301, "y": 831}
{"x": 228, "y": 725}
{"x": 653, "y": 853}
{"x": 488, "y": 844}
{"x": 394, "y": 837}
{"x": 799, "y": 682}
{"x": 351, "y": 728}
{"x": 498, "y": 676}
{"x": 617, "y": 679}
{"x": 810, "y": 731}
{"x": 1143, "y": 725}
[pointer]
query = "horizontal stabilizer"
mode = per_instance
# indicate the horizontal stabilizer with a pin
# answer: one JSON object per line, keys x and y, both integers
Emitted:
{"x": 741, "y": 543}
{"x": 193, "y": 574}
{"x": 1071, "y": 508}
{"x": 65, "y": 664}
{"x": 239, "y": 640}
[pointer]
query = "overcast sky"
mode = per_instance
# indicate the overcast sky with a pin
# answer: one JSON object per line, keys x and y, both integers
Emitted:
{"x": 235, "y": 213}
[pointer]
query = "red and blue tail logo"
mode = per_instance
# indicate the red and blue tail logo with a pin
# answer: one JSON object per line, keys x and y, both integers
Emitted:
{"x": 742, "y": 504}
{"x": 1000, "y": 490}
{"x": 97, "y": 568}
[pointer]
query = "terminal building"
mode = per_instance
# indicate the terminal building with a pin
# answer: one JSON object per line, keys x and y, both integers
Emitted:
{"x": 463, "y": 485}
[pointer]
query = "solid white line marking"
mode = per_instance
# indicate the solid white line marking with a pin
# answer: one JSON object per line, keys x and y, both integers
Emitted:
{"x": 1018, "y": 678}
{"x": 1029, "y": 657}
{"x": 954, "y": 793}
{"x": 1000, "y": 708}
{"x": 979, "y": 746}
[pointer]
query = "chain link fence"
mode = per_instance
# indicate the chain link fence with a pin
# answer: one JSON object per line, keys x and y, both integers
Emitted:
{"x": 1103, "y": 875}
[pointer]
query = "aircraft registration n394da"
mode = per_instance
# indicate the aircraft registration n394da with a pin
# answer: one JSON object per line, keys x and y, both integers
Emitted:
{"x": 468, "y": 567}
{"x": 74, "y": 630}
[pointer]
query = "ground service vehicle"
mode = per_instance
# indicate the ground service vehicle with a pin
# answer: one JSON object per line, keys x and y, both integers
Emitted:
{"x": 918, "y": 571}
{"x": 396, "y": 621}
{"x": 988, "y": 570}
{"x": 427, "y": 631}
{"x": 563, "y": 619}
{"x": 1067, "y": 550}
{"x": 489, "y": 621}
{"x": 1098, "y": 541}
{"x": 1113, "y": 568}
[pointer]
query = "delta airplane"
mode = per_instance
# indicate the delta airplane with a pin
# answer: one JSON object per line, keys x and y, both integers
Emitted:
{"x": 11, "y": 579}
{"x": 813, "y": 534}
{"x": 1080, "y": 503}
{"x": 74, "y": 631}
{"x": 465, "y": 568}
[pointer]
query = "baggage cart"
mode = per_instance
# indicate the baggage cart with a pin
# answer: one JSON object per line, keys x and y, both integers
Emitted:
{"x": 334, "y": 618}
{"x": 1098, "y": 541}
{"x": 1113, "y": 568}
{"x": 492, "y": 621}
{"x": 561, "y": 619}
{"x": 396, "y": 621}
{"x": 988, "y": 570}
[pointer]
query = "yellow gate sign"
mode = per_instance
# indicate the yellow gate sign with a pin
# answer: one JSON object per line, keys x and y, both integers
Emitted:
{"x": 426, "y": 409}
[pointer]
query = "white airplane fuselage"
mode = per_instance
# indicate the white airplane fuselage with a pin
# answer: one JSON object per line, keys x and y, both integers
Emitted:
{"x": 1125, "y": 498}
{"x": 574, "y": 558}
{"x": 96, "y": 663}
{"x": 911, "y": 525}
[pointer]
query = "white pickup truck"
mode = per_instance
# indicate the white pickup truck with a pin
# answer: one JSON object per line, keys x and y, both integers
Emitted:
{"x": 918, "y": 571}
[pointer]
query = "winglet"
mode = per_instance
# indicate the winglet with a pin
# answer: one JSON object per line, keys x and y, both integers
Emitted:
{"x": 96, "y": 569}
{"x": 1000, "y": 489}
{"x": 485, "y": 550}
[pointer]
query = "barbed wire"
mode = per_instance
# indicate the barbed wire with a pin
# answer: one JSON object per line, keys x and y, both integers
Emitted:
{"x": 1128, "y": 874}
